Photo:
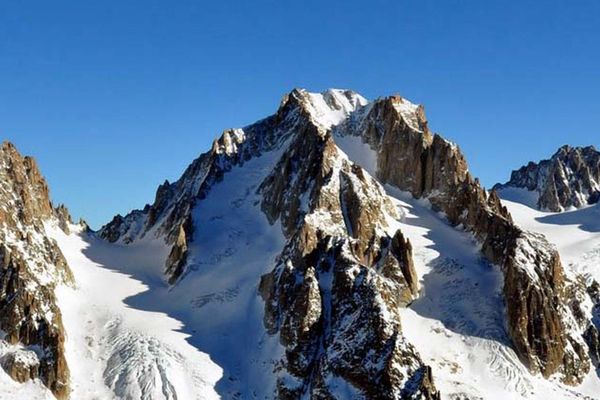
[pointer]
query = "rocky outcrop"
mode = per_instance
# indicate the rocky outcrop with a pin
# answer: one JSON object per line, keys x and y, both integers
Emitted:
{"x": 570, "y": 178}
{"x": 62, "y": 216}
{"x": 31, "y": 265}
{"x": 339, "y": 283}
{"x": 21, "y": 365}
{"x": 413, "y": 159}
{"x": 338, "y": 318}
{"x": 178, "y": 255}
{"x": 537, "y": 321}
{"x": 592, "y": 326}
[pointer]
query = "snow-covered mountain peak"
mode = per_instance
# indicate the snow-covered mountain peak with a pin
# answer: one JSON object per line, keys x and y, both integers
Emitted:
{"x": 328, "y": 108}
{"x": 335, "y": 249}
{"x": 334, "y": 106}
{"x": 408, "y": 111}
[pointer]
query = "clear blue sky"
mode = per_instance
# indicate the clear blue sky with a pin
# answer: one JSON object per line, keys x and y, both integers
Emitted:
{"x": 112, "y": 97}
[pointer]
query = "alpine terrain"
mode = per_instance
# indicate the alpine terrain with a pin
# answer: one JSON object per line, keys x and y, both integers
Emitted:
{"x": 569, "y": 179}
{"x": 337, "y": 249}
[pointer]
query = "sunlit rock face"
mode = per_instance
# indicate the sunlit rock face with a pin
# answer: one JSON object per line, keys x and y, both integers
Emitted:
{"x": 413, "y": 159}
{"x": 569, "y": 179}
{"x": 32, "y": 266}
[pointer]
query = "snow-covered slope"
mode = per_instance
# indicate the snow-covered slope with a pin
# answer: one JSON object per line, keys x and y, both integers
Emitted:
{"x": 575, "y": 232}
{"x": 458, "y": 322}
{"x": 121, "y": 351}
{"x": 131, "y": 335}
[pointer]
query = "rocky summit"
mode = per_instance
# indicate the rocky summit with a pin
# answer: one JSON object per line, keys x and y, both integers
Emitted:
{"x": 569, "y": 179}
{"x": 337, "y": 249}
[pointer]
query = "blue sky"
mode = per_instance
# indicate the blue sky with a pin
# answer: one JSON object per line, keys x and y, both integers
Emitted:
{"x": 113, "y": 97}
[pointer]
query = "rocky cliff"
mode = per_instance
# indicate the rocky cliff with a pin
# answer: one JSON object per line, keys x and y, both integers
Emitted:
{"x": 411, "y": 158}
{"x": 570, "y": 178}
{"x": 31, "y": 265}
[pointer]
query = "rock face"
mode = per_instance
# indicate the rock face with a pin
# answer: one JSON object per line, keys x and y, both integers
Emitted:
{"x": 21, "y": 365}
{"x": 570, "y": 178}
{"x": 592, "y": 331}
{"x": 340, "y": 279}
{"x": 411, "y": 158}
{"x": 31, "y": 265}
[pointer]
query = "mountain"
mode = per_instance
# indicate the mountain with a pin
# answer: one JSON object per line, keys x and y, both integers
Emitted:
{"x": 334, "y": 177}
{"x": 337, "y": 249}
{"x": 569, "y": 179}
{"x": 32, "y": 265}
{"x": 336, "y": 246}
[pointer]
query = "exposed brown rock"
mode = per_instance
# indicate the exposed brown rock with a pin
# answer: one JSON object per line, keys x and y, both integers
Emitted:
{"x": 21, "y": 365}
{"x": 178, "y": 255}
{"x": 64, "y": 218}
{"x": 570, "y": 178}
{"x": 340, "y": 279}
{"x": 400, "y": 267}
{"x": 412, "y": 159}
{"x": 30, "y": 267}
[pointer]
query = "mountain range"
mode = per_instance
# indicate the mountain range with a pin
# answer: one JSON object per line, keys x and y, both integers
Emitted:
{"x": 337, "y": 249}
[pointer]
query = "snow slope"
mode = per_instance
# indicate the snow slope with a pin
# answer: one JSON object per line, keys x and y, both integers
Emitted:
{"x": 234, "y": 245}
{"x": 34, "y": 390}
{"x": 576, "y": 232}
{"x": 118, "y": 351}
{"x": 457, "y": 324}
{"x": 131, "y": 335}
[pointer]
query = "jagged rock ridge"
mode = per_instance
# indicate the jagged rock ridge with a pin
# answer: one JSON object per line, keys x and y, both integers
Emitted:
{"x": 31, "y": 267}
{"x": 570, "y": 178}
